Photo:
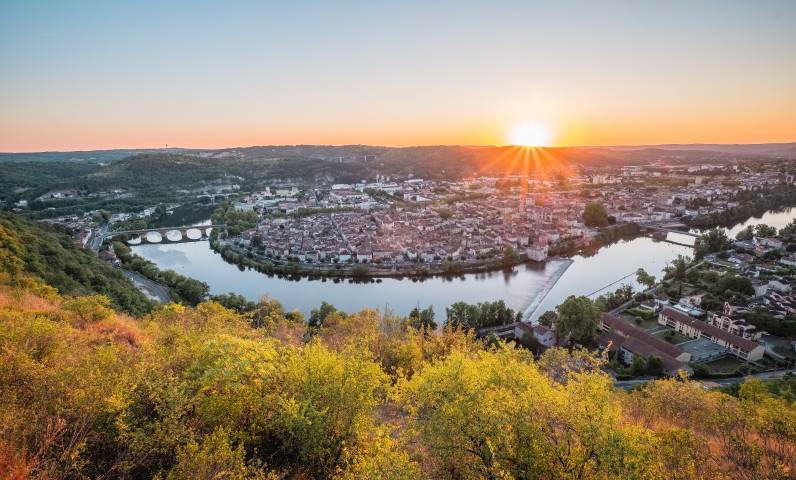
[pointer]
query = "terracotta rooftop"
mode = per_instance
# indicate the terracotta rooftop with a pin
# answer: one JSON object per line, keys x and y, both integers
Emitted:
{"x": 716, "y": 332}
{"x": 629, "y": 330}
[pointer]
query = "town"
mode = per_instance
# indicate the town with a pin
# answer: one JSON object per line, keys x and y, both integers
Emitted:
{"x": 431, "y": 226}
{"x": 727, "y": 310}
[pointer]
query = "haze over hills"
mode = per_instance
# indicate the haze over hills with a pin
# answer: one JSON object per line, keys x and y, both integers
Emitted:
{"x": 89, "y": 156}
{"x": 364, "y": 153}
{"x": 760, "y": 148}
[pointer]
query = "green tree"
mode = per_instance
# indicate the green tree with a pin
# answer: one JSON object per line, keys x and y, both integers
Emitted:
{"x": 645, "y": 278}
{"x": 654, "y": 365}
{"x": 594, "y": 215}
{"x": 746, "y": 234}
{"x": 494, "y": 415}
{"x": 420, "y": 319}
{"x": 578, "y": 317}
{"x": 234, "y": 301}
{"x": 216, "y": 458}
{"x": 714, "y": 240}
{"x": 484, "y": 314}
{"x": 510, "y": 255}
{"x": 734, "y": 284}
{"x": 122, "y": 251}
{"x": 679, "y": 267}
{"x": 318, "y": 315}
{"x": 547, "y": 318}
{"x": 763, "y": 230}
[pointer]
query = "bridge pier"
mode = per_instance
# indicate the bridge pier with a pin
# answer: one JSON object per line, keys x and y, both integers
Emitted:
{"x": 183, "y": 231}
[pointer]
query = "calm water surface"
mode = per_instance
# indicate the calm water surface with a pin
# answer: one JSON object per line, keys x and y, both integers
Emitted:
{"x": 770, "y": 218}
{"x": 518, "y": 288}
{"x": 527, "y": 285}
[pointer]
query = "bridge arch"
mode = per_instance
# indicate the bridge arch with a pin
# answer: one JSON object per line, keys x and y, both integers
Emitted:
{"x": 173, "y": 235}
{"x": 167, "y": 234}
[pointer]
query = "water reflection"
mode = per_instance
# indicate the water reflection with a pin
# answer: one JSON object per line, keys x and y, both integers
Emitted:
{"x": 518, "y": 287}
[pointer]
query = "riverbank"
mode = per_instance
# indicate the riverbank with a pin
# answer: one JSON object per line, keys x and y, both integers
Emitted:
{"x": 244, "y": 256}
{"x": 517, "y": 286}
{"x": 542, "y": 294}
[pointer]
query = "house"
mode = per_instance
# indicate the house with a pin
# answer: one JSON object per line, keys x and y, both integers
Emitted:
{"x": 732, "y": 321}
{"x": 790, "y": 261}
{"x": 662, "y": 299}
{"x": 731, "y": 309}
{"x": 780, "y": 304}
{"x": 649, "y": 305}
{"x": 546, "y": 336}
{"x": 692, "y": 301}
{"x": 740, "y": 258}
{"x": 770, "y": 242}
{"x": 109, "y": 256}
{"x": 761, "y": 287}
{"x": 765, "y": 268}
{"x": 693, "y": 328}
{"x": 779, "y": 286}
{"x": 537, "y": 253}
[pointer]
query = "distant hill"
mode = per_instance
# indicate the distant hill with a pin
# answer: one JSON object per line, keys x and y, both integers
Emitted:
{"x": 90, "y": 156}
{"x": 753, "y": 148}
{"x": 405, "y": 159}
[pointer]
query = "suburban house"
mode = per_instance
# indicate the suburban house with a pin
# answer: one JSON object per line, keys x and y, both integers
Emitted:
{"x": 779, "y": 286}
{"x": 791, "y": 261}
{"x": 781, "y": 304}
{"x": 733, "y": 322}
{"x": 518, "y": 330}
{"x": 693, "y": 328}
{"x": 692, "y": 301}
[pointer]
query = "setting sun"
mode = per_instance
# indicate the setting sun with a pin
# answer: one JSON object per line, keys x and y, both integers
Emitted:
{"x": 531, "y": 135}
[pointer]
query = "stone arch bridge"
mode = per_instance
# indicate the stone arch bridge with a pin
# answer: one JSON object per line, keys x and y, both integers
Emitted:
{"x": 167, "y": 234}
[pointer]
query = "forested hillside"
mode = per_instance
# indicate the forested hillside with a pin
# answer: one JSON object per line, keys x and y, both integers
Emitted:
{"x": 28, "y": 180}
{"x": 143, "y": 180}
{"x": 48, "y": 253}
{"x": 86, "y": 392}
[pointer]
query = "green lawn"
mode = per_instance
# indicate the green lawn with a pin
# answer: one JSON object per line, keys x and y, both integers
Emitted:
{"x": 675, "y": 340}
{"x": 645, "y": 324}
{"x": 687, "y": 289}
{"x": 724, "y": 365}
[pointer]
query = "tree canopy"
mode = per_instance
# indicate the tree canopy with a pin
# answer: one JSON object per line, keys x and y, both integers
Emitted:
{"x": 579, "y": 318}
{"x": 594, "y": 215}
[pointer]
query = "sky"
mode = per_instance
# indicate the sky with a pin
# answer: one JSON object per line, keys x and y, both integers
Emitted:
{"x": 83, "y": 75}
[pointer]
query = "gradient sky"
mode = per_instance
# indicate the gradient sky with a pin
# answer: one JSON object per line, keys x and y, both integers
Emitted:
{"x": 78, "y": 75}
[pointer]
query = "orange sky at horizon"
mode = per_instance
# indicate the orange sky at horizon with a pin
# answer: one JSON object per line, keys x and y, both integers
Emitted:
{"x": 576, "y": 134}
{"x": 83, "y": 76}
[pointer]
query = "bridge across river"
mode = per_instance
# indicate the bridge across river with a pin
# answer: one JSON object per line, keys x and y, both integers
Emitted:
{"x": 203, "y": 230}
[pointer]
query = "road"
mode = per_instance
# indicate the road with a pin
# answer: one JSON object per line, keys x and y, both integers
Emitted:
{"x": 98, "y": 236}
{"x": 157, "y": 290}
{"x": 720, "y": 381}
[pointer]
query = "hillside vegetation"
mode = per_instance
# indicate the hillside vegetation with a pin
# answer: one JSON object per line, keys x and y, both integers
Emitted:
{"x": 47, "y": 253}
{"x": 87, "y": 392}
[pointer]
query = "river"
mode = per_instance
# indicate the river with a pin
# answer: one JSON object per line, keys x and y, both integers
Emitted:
{"x": 524, "y": 285}
{"x": 771, "y": 218}
{"x": 532, "y": 287}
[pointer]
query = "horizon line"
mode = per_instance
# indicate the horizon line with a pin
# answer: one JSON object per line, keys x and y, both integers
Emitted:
{"x": 651, "y": 145}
